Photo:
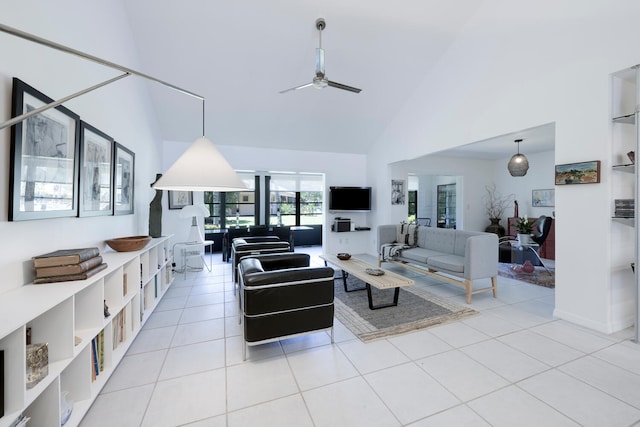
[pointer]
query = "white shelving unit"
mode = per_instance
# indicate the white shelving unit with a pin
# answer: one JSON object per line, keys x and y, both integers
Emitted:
{"x": 624, "y": 245}
{"x": 60, "y": 314}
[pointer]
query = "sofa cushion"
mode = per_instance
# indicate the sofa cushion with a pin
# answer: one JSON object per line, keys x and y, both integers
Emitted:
{"x": 453, "y": 263}
{"x": 440, "y": 239}
{"x": 419, "y": 254}
{"x": 407, "y": 234}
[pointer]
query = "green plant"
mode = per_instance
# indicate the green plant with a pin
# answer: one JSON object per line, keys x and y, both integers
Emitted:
{"x": 524, "y": 226}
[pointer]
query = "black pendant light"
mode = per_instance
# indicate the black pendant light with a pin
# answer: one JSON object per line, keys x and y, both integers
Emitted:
{"x": 518, "y": 165}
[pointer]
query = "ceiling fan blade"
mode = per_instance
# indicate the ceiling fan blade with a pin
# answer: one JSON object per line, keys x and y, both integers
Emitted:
{"x": 297, "y": 87}
{"x": 319, "y": 61}
{"x": 344, "y": 87}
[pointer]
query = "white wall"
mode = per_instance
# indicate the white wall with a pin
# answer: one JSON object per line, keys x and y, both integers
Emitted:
{"x": 490, "y": 84}
{"x": 120, "y": 110}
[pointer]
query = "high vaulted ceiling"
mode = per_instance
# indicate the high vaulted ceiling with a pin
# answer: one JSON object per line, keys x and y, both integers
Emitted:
{"x": 239, "y": 55}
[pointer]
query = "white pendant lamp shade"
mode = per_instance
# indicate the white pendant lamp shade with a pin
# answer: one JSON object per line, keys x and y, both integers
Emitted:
{"x": 519, "y": 164}
{"x": 200, "y": 168}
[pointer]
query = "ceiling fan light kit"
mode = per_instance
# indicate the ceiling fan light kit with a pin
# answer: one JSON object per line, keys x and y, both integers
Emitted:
{"x": 320, "y": 80}
{"x": 519, "y": 164}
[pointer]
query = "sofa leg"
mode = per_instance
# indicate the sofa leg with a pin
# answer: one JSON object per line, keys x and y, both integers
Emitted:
{"x": 494, "y": 286}
{"x": 244, "y": 350}
{"x": 332, "y": 341}
{"x": 468, "y": 287}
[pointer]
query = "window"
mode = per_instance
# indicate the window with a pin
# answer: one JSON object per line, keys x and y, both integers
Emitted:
{"x": 413, "y": 205}
{"x": 233, "y": 208}
{"x": 295, "y": 199}
{"x": 447, "y": 206}
{"x": 289, "y": 199}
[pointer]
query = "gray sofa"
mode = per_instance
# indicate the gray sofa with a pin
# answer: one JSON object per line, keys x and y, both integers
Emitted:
{"x": 456, "y": 256}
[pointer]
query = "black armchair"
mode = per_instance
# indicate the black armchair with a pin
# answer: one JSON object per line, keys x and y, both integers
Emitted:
{"x": 282, "y": 297}
{"x": 511, "y": 251}
{"x": 244, "y": 246}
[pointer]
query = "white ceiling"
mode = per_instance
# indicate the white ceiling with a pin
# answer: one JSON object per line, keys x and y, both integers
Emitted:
{"x": 239, "y": 55}
{"x": 534, "y": 140}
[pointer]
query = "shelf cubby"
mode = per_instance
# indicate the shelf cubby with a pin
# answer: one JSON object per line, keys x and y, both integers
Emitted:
{"x": 45, "y": 410}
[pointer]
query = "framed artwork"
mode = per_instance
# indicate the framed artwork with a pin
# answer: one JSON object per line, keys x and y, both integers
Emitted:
{"x": 96, "y": 171}
{"x": 397, "y": 192}
{"x": 180, "y": 199}
{"x": 543, "y": 198}
{"x": 578, "y": 173}
{"x": 123, "y": 180}
{"x": 43, "y": 177}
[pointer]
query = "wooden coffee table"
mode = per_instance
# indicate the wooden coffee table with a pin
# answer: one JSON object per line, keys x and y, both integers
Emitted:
{"x": 356, "y": 267}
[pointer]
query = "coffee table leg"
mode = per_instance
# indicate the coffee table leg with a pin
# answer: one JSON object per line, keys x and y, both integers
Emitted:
{"x": 396, "y": 293}
{"x": 344, "y": 283}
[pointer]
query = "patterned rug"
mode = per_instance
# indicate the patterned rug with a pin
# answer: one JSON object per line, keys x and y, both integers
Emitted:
{"x": 540, "y": 276}
{"x": 416, "y": 309}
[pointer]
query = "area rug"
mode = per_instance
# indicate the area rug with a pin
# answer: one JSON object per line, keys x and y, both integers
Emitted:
{"x": 417, "y": 309}
{"x": 540, "y": 276}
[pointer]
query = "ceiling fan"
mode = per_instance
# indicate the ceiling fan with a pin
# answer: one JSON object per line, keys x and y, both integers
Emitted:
{"x": 320, "y": 81}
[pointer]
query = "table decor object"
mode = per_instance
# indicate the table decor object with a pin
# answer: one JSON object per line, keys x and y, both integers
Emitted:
{"x": 128, "y": 244}
{"x": 374, "y": 271}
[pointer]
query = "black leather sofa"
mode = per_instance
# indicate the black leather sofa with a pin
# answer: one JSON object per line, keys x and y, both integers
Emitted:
{"x": 281, "y": 296}
{"x": 281, "y": 232}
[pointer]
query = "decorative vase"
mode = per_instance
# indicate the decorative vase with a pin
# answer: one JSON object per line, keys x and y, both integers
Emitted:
{"x": 66, "y": 407}
{"x": 527, "y": 267}
{"x": 524, "y": 239}
{"x": 155, "y": 212}
{"x": 495, "y": 227}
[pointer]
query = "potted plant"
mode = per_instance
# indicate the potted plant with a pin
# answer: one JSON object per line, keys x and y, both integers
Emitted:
{"x": 495, "y": 205}
{"x": 524, "y": 228}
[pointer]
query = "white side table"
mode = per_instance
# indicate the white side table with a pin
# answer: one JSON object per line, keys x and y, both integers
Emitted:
{"x": 195, "y": 250}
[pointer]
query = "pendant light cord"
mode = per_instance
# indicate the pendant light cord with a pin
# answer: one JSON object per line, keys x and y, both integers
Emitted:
{"x": 203, "y": 121}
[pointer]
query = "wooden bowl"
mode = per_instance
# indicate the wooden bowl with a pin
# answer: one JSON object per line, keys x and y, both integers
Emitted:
{"x": 343, "y": 256}
{"x": 128, "y": 244}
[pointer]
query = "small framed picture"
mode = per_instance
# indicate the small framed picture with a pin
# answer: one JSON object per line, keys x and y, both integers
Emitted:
{"x": 96, "y": 171}
{"x": 180, "y": 199}
{"x": 543, "y": 198}
{"x": 123, "y": 180}
{"x": 578, "y": 173}
{"x": 397, "y": 192}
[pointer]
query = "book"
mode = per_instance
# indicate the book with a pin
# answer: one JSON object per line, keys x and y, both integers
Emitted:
{"x": 1, "y": 383}
{"x": 70, "y": 277}
{"x": 64, "y": 270}
{"x": 94, "y": 361}
{"x": 65, "y": 257}
{"x": 101, "y": 350}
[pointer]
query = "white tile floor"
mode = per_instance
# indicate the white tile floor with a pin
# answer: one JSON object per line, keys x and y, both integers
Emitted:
{"x": 513, "y": 364}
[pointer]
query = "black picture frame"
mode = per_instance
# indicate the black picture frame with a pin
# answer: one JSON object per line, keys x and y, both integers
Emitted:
{"x": 123, "y": 180}
{"x": 96, "y": 171}
{"x": 44, "y": 158}
{"x": 180, "y": 199}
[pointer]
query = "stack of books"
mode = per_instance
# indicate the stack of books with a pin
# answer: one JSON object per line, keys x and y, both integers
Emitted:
{"x": 67, "y": 264}
{"x": 624, "y": 208}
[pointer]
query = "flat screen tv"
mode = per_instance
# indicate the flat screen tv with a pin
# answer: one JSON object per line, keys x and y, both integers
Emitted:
{"x": 354, "y": 199}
